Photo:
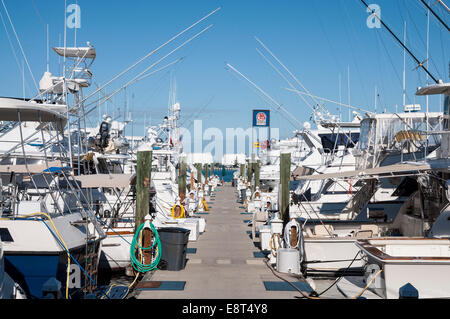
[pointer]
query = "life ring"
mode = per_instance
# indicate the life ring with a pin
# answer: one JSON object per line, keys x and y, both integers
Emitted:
{"x": 182, "y": 211}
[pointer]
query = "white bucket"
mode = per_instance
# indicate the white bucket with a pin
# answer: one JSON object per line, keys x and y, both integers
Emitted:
{"x": 288, "y": 260}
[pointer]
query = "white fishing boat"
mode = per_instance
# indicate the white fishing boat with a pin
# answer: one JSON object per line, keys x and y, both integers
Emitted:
{"x": 46, "y": 218}
{"x": 420, "y": 262}
{"x": 44, "y": 215}
{"x": 423, "y": 263}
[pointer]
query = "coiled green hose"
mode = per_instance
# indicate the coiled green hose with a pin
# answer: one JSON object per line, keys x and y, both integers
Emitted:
{"x": 137, "y": 265}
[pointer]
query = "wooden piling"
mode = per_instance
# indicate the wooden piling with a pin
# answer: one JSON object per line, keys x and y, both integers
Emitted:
{"x": 143, "y": 179}
{"x": 285, "y": 179}
{"x": 143, "y": 173}
{"x": 242, "y": 167}
{"x": 198, "y": 166}
{"x": 249, "y": 171}
{"x": 192, "y": 180}
{"x": 182, "y": 178}
{"x": 205, "y": 168}
{"x": 256, "y": 168}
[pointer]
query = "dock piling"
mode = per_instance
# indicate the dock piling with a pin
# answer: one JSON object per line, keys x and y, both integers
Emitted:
{"x": 285, "y": 178}
{"x": 182, "y": 178}
{"x": 143, "y": 175}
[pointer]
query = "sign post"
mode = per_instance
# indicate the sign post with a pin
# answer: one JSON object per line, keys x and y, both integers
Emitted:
{"x": 261, "y": 118}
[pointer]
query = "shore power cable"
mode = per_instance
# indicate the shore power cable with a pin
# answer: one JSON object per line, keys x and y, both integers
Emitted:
{"x": 140, "y": 266}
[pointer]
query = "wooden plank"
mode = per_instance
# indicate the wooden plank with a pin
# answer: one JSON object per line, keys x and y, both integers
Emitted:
{"x": 148, "y": 284}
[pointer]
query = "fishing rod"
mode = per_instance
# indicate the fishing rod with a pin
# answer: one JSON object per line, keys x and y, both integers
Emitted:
{"x": 299, "y": 83}
{"x": 20, "y": 44}
{"x": 149, "y": 54}
{"x": 284, "y": 67}
{"x": 294, "y": 89}
{"x": 190, "y": 120}
{"x": 280, "y": 107}
{"x": 107, "y": 98}
{"x": 420, "y": 64}
{"x": 282, "y": 75}
{"x": 435, "y": 14}
{"x": 141, "y": 75}
{"x": 257, "y": 92}
{"x": 444, "y": 5}
{"x": 331, "y": 101}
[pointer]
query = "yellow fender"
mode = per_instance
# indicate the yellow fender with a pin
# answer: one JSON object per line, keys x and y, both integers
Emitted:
{"x": 182, "y": 211}
{"x": 205, "y": 205}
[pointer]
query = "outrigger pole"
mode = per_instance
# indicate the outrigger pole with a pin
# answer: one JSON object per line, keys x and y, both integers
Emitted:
{"x": 149, "y": 54}
{"x": 420, "y": 64}
{"x": 435, "y": 14}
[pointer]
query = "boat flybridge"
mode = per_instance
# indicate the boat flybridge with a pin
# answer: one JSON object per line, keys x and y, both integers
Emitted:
{"x": 46, "y": 218}
{"x": 386, "y": 139}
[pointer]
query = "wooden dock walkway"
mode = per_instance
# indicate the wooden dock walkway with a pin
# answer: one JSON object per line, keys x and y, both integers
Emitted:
{"x": 224, "y": 266}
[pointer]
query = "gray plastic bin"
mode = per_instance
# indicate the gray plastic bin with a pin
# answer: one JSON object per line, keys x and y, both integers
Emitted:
{"x": 174, "y": 246}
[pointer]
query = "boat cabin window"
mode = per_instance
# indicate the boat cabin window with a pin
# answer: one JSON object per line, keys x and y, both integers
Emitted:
{"x": 5, "y": 235}
{"x": 109, "y": 167}
{"x": 331, "y": 142}
{"x": 30, "y": 161}
{"x": 115, "y": 167}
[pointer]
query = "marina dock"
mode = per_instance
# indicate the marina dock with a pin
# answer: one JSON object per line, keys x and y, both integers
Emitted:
{"x": 224, "y": 265}
{"x": 215, "y": 177}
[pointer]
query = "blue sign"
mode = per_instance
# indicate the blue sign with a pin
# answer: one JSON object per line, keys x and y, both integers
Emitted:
{"x": 261, "y": 118}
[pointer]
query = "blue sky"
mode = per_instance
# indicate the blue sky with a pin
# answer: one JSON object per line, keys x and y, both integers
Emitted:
{"x": 316, "y": 40}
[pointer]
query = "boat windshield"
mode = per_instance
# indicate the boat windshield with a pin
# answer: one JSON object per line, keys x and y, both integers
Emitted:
{"x": 383, "y": 132}
{"x": 446, "y": 111}
{"x": 331, "y": 142}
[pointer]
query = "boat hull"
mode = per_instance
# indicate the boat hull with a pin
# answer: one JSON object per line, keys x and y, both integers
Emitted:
{"x": 115, "y": 252}
{"x": 32, "y": 270}
{"x": 422, "y": 262}
{"x": 332, "y": 256}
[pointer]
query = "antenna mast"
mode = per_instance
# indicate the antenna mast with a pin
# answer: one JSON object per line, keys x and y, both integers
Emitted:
{"x": 404, "y": 65}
